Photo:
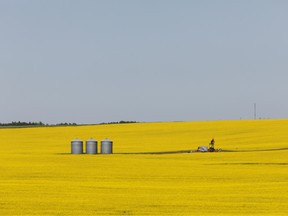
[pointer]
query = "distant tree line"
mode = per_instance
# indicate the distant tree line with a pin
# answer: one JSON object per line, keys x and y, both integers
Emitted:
{"x": 19, "y": 123}
{"x": 66, "y": 124}
{"x": 27, "y": 124}
{"x": 40, "y": 124}
{"x": 120, "y": 122}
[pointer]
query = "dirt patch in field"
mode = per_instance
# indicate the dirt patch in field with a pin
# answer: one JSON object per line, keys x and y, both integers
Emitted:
{"x": 188, "y": 151}
{"x": 256, "y": 150}
{"x": 276, "y": 164}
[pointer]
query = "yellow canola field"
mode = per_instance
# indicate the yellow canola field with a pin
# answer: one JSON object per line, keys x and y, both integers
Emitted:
{"x": 250, "y": 177}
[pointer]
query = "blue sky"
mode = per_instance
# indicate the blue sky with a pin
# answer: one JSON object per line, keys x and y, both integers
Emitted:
{"x": 153, "y": 60}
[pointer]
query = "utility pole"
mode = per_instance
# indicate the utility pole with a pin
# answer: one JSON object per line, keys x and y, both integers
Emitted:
{"x": 255, "y": 111}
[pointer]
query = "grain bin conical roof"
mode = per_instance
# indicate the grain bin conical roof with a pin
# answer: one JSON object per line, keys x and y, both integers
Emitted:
{"x": 77, "y": 140}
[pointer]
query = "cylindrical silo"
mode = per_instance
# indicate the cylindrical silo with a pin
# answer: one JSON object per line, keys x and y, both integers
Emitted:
{"x": 91, "y": 146}
{"x": 76, "y": 146}
{"x": 106, "y": 146}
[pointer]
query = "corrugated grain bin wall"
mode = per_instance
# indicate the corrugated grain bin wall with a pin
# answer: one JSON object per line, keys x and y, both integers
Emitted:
{"x": 76, "y": 146}
{"x": 106, "y": 146}
{"x": 91, "y": 146}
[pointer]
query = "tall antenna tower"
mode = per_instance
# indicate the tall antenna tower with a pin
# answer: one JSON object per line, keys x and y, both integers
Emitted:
{"x": 255, "y": 111}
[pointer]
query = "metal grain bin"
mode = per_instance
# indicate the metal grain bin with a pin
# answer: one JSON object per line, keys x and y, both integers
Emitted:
{"x": 76, "y": 146}
{"x": 91, "y": 146}
{"x": 106, "y": 146}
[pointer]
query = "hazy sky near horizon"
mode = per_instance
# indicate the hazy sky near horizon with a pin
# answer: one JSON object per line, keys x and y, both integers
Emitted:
{"x": 151, "y": 60}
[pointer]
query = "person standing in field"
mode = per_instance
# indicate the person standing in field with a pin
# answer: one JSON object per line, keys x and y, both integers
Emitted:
{"x": 211, "y": 145}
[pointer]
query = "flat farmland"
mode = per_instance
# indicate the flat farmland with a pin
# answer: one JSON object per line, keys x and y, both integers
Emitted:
{"x": 39, "y": 176}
